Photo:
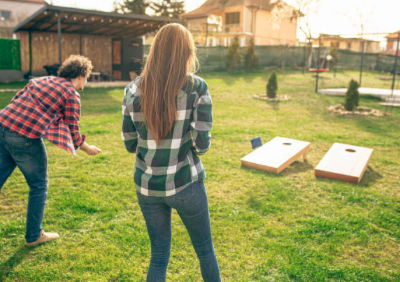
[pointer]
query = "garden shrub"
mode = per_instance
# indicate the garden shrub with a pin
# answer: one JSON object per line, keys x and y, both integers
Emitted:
{"x": 250, "y": 57}
{"x": 233, "y": 57}
{"x": 272, "y": 86}
{"x": 352, "y": 96}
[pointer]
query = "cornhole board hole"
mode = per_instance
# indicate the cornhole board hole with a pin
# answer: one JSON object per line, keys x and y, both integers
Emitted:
{"x": 276, "y": 155}
{"x": 344, "y": 162}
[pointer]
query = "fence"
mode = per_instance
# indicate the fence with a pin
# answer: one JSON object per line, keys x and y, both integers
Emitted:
{"x": 213, "y": 58}
{"x": 10, "y": 58}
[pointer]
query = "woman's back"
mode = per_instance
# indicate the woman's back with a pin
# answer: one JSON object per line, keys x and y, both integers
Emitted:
{"x": 166, "y": 168}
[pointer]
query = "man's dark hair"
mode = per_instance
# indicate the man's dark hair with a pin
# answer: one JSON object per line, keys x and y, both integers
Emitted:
{"x": 75, "y": 66}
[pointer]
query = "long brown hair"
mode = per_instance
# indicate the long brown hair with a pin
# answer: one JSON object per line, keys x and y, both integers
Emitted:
{"x": 171, "y": 59}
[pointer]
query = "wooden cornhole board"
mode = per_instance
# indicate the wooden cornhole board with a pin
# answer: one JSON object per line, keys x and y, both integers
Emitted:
{"x": 344, "y": 162}
{"x": 276, "y": 155}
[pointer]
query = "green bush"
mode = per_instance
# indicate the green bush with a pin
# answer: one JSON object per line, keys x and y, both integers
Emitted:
{"x": 250, "y": 58}
{"x": 352, "y": 96}
{"x": 233, "y": 57}
{"x": 10, "y": 54}
{"x": 272, "y": 86}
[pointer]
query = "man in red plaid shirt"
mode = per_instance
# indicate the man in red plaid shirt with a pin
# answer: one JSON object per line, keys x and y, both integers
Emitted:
{"x": 48, "y": 107}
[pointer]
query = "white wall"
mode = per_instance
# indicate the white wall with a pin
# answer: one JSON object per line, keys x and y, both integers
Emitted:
{"x": 20, "y": 10}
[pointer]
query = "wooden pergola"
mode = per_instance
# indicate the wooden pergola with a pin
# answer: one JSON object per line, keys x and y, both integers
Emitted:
{"x": 79, "y": 22}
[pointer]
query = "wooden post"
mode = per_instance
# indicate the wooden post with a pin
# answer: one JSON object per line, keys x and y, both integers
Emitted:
{"x": 30, "y": 52}
{"x": 80, "y": 43}
{"x": 59, "y": 37}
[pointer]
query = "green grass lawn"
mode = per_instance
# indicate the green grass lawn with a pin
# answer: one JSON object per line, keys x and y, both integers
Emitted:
{"x": 266, "y": 227}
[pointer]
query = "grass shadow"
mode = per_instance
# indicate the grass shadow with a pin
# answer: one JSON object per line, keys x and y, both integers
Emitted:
{"x": 8, "y": 266}
{"x": 297, "y": 167}
{"x": 370, "y": 176}
{"x": 259, "y": 172}
{"x": 294, "y": 168}
{"x": 274, "y": 105}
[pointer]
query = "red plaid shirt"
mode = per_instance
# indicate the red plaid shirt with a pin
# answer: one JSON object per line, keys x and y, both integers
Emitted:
{"x": 47, "y": 107}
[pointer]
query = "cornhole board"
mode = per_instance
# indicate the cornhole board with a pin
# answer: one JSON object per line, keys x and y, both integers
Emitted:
{"x": 276, "y": 155}
{"x": 344, "y": 162}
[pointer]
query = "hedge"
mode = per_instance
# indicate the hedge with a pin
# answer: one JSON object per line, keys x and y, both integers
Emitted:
{"x": 9, "y": 54}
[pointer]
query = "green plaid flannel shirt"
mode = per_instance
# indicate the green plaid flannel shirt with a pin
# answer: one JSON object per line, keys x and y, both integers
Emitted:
{"x": 166, "y": 168}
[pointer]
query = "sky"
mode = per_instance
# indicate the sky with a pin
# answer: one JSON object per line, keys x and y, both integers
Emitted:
{"x": 329, "y": 16}
{"x": 107, "y": 5}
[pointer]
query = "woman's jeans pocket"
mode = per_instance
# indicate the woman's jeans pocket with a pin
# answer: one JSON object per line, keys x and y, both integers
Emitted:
{"x": 184, "y": 195}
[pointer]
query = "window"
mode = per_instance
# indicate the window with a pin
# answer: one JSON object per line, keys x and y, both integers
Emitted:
{"x": 5, "y": 15}
{"x": 232, "y": 18}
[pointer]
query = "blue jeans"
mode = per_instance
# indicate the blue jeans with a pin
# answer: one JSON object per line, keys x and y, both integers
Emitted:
{"x": 192, "y": 206}
{"x": 31, "y": 158}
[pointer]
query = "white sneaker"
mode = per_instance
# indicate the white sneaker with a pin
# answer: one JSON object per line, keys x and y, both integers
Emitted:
{"x": 44, "y": 237}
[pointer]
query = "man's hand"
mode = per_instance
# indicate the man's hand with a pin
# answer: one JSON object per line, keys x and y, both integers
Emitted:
{"x": 90, "y": 149}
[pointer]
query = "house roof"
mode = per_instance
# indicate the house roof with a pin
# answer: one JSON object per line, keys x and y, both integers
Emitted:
{"x": 31, "y": 1}
{"x": 338, "y": 37}
{"x": 392, "y": 35}
{"x": 209, "y": 7}
{"x": 91, "y": 22}
{"x": 213, "y": 6}
{"x": 262, "y": 4}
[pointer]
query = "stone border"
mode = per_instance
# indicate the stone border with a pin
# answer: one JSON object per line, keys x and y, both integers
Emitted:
{"x": 363, "y": 111}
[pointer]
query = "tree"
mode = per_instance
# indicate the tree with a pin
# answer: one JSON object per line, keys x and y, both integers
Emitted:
{"x": 361, "y": 15}
{"x": 168, "y": 8}
{"x": 161, "y": 8}
{"x": 303, "y": 10}
{"x": 132, "y": 7}
{"x": 177, "y": 7}
{"x": 233, "y": 57}
{"x": 250, "y": 58}
{"x": 352, "y": 96}
{"x": 334, "y": 53}
{"x": 272, "y": 86}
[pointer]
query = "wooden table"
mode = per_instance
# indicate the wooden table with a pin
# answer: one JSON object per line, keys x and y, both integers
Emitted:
{"x": 95, "y": 76}
{"x": 276, "y": 155}
{"x": 344, "y": 162}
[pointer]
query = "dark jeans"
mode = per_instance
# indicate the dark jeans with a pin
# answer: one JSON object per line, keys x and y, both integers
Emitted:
{"x": 31, "y": 158}
{"x": 192, "y": 206}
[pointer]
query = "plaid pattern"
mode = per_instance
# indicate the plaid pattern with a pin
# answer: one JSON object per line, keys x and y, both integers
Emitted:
{"x": 47, "y": 107}
{"x": 166, "y": 168}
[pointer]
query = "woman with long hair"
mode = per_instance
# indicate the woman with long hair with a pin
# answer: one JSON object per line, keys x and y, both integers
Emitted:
{"x": 167, "y": 117}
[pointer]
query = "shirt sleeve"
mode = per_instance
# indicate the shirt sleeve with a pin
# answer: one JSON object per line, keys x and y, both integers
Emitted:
{"x": 16, "y": 96}
{"x": 201, "y": 123}
{"x": 72, "y": 113}
{"x": 129, "y": 134}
